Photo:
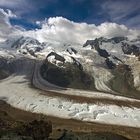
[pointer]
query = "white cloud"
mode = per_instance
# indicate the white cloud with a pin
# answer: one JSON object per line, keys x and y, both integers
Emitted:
{"x": 7, "y": 13}
{"x": 20, "y": 7}
{"x": 6, "y": 29}
{"x": 62, "y": 29}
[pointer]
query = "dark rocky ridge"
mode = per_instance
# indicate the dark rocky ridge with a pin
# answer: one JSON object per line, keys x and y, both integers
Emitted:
{"x": 102, "y": 39}
{"x": 5, "y": 68}
{"x": 127, "y": 48}
{"x": 57, "y": 57}
{"x": 71, "y": 50}
{"x": 130, "y": 49}
{"x": 70, "y": 75}
{"x": 110, "y": 60}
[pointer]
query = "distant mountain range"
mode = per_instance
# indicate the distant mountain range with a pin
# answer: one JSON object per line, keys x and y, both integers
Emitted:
{"x": 109, "y": 65}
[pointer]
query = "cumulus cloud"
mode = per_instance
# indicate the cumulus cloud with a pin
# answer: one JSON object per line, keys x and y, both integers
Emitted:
{"x": 62, "y": 29}
{"x": 6, "y": 29}
{"x": 20, "y": 7}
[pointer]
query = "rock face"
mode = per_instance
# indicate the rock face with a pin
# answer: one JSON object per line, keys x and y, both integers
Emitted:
{"x": 123, "y": 80}
{"x": 67, "y": 74}
{"x": 117, "y": 39}
{"x": 6, "y": 68}
{"x": 93, "y": 43}
{"x": 56, "y": 56}
{"x": 38, "y": 130}
{"x": 130, "y": 49}
{"x": 103, "y": 53}
{"x": 13, "y": 129}
{"x": 34, "y": 130}
{"x": 112, "y": 62}
{"x": 90, "y": 136}
{"x": 99, "y": 41}
{"x": 71, "y": 51}
{"x": 61, "y": 60}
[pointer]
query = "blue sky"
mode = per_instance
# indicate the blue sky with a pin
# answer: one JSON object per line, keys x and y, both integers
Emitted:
{"x": 125, "y": 12}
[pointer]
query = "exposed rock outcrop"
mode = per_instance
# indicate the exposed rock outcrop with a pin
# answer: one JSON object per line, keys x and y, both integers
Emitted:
{"x": 71, "y": 51}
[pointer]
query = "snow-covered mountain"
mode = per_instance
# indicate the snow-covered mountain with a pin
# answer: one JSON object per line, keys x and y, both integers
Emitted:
{"x": 91, "y": 82}
{"x": 104, "y": 64}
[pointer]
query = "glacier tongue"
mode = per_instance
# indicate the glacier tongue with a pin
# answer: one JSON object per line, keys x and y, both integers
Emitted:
{"x": 14, "y": 93}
